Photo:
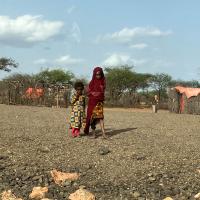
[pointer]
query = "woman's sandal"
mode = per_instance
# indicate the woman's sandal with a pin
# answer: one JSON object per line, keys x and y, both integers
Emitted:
{"x": 105, "y": 137}
{"x": 94, "y": 136}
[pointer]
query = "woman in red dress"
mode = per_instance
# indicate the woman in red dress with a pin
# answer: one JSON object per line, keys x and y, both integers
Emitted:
{"x": 96, "y": 93}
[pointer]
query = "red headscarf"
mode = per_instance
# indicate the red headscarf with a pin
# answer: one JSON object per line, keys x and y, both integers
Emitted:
{"x": 96, "y": 86}
{"x": 95, "y": 90}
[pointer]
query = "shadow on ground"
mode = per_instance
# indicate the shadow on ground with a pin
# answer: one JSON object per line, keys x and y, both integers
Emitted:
{"x": 111, "y": 133}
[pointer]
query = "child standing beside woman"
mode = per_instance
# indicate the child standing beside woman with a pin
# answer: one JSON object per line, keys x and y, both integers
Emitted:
{"x": 96, "y": 95}
{"x": 78, "y": 119}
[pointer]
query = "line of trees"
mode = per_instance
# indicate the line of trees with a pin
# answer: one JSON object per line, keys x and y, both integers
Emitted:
{"x": 124, "y": 85}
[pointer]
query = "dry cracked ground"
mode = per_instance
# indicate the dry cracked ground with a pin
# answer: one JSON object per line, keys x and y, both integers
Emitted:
{"x": 147, "y": 156}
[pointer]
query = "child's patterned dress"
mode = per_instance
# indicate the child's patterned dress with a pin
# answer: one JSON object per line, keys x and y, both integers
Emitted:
{"x": 78, "y": 117}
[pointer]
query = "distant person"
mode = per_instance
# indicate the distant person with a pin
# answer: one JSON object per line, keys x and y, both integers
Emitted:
{"x": 173, "y": 105}
{"x": 78, "y": 119}
{"x": 155, "y": 103}
{"x": 95, "y": 92}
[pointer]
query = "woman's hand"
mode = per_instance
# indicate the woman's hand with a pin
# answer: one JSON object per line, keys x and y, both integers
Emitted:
{"x": 96, "y": 94}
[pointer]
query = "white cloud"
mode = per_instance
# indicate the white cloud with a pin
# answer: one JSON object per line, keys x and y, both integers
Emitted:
{"x": 128, "y": 34}
{"x": 76, "y": 32}
{"x": 122, "y": 59}
{"x": 27, "y": 30}
{"x": 71, "y": 9}
{"x": 41, "y": 61}
{"x": 138, "y": 46}
{"x": 116, "y": 59}
{"x": 67, "y": 59}
{"x": 62, "y": 60}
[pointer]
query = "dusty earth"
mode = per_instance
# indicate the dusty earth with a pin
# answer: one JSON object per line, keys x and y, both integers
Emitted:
{"x": 147, "y": 156}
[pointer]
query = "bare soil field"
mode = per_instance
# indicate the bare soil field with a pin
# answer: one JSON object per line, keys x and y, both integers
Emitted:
{"x": 147, "y": 156}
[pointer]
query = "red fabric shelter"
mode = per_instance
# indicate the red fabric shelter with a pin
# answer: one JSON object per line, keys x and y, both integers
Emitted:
{"x": 189, "y": 92}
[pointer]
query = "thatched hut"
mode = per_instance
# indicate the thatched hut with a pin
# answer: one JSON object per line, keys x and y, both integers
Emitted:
{"x": 184, "y": 100}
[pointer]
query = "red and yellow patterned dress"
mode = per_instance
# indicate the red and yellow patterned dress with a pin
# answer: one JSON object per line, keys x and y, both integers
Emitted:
{"x": 78, "y": 117}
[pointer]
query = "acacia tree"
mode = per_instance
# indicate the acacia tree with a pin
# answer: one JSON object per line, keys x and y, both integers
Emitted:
{"x": 160, "y": 82}
{"x": 142, "y": 81}
{"x": 54, "y": 76}
{"x": 123, "y": 79}
{"x": 23, "y": 79}
{"x": 7, "y": 63}
{"x": 119, "y": 80}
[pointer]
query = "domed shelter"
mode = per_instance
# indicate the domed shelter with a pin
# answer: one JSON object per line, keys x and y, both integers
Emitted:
{"x": 184, "y": 100}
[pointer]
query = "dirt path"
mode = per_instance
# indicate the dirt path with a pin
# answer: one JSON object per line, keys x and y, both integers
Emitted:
{"x": 156, "y": 155}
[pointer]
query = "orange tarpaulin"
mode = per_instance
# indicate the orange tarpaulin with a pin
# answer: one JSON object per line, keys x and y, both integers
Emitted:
{"x": 29, "y": 91}
{"x": 189, "y": 92}
{"x": 34, "y": 93}
{"x": 39, "y": 92}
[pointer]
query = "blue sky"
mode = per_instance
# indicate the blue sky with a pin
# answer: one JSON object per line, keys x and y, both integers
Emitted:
{"x": 153, "y": 35}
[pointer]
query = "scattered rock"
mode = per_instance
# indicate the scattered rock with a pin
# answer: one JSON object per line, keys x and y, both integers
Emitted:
{"x": 75, "y": 184}
{"x": 67, "y": 183}
{"x": 141, "y": 198}
{"x": 150, "y": 174}
{"x": 3, "y": 157}
{"x": 152, "y": 179}
{"x": 168, "y": 198}
{"x": 82, "y": 187}
{"x": 82, "y": 194}
{"x": 167, "y": 192}
{"x": 2, "y": 167}
{"x": 88, "y": 167}
{"x": 38, "y": 193}
{"x": 61, "y": 194}
{"x": 140, "y": 157}
{"x": 7, "y": 195}
{"x": 104, "y": 151}
{"x": 44, "y": 149}
{"x": 60, "y": 177}
{"x": 46, "y": 199}
{"x": 197, "y": 196}
{"x": 175, "y": 191}
{"x": 35, "y": 178}
{"x": 83, "y": 174}
{"x": 136, "y": 194}
{"x": 25, "y": 168}
{"x": 165, "y": 176}
{"x": 25, "y": 178}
